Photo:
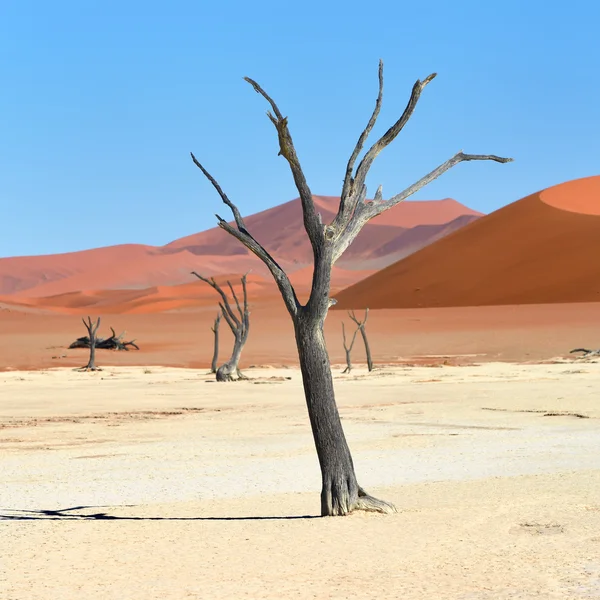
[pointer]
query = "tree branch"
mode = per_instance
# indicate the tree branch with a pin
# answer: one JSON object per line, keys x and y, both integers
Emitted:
{"x": 362, "y": 323}
{"x": 91, "y": 327}
{"x": 312, "y": 223}
{"x": 348, "y": 348}
{"x": 390, "y": 135}
{"x": 243, "y": 235}
{"x": 237, "y": 302}
{"x": 367, "y": 211}
{"x": 233, "y": 326}
{"x": 226, "y": 307}
{"x": 217, "y": 321}
{"x": 348, "y": 186}
{"x": 245, "y": 295}
{"x": 352, "y": 192}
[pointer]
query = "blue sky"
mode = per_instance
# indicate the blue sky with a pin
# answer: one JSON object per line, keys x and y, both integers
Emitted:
{"x": 102, "y": 102}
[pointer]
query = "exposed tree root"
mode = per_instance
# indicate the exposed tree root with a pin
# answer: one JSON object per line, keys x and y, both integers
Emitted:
{"x": 87, "y": 369}
{"x": 226, "y": 373}
{"x": 369, "y": 503}
{"x": 341, "y": 497}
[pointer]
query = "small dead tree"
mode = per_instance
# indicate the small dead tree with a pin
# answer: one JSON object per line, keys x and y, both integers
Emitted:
{"x": 92, "y": 329}
{"x": 238, "y": 323}
{"x": 347, "y": 348}
{"x": 340, "y": 493}
{"x": 363, "y": 333}
{"x": 114, "y": 342}
{"x": 215, "y": 330}
{"x": 586, "y": 352}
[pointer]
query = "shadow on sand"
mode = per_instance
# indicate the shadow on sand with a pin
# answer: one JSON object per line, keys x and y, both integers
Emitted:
{"x": 67, "y": 514}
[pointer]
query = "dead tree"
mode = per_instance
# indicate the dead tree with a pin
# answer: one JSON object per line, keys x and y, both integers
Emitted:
{"x": 215, "y": 330}
{"x": 114, "y": 342}
{"x": 239, "y": 326}
{"x": 586, "y": 352}
{"x": 92, "y": 329}
{"x": 347, "y": 348}
{"x": 363, "y": 333}
{"x": 340, "y": 492}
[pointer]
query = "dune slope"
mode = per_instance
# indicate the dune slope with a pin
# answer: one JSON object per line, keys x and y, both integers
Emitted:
{"x": 396, "y": 233}
{"x": 541, "y": 249}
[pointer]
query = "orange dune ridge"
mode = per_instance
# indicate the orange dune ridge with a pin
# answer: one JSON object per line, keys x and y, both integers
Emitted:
{"x": 146, "y": 300}
{"x": 391, "y": 236}
{"x": 175, "y": 297}
{"x": 541, "y": 249}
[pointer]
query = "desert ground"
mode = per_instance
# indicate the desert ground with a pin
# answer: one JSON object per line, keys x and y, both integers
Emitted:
{"x": 31, "y": 341}
{"x": 144, "y": 483}
{"x": 149, "y": 480}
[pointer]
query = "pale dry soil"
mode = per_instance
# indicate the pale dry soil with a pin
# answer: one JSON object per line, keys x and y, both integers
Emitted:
{"x": 136, "y": 484}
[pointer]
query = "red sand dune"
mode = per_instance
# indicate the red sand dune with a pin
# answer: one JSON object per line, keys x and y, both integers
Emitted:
{"x": 579, "y": 196}
{"x": 172, "y": 297}
{"x": 145, "y": 300}
{"x": 541, "y": 249}
{"x": 280, "y": 230}
{"x": 134, "y": 267}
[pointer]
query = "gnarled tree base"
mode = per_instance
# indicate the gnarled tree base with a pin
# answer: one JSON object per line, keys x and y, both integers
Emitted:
{"x": 227, "y": 373}
{"x": 369, "y": 503}
{"x": 85, "y": 369}
{"x": 341, "y": 497}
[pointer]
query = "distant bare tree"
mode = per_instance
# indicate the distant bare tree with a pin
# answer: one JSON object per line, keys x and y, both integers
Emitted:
{"x": 238, "y": 323}
{"x": 347, "y": 348}
{"x": 215, "y": 330}
{"x": 340, "y": 493}
{"x": 361, "y": 327}
{"x": 92, "y": 329}
{"x": 586, "y": 352}
{"x": 114, "y": 342}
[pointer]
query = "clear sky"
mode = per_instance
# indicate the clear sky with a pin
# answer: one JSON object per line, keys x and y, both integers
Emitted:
{"x": 102, "y": 101}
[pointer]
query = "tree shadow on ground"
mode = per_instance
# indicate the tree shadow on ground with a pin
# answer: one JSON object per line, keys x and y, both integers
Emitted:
{"x": 67, "y": 514}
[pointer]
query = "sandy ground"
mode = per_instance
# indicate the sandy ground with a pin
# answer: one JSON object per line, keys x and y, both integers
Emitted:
{"x": 184, "y": 339}
{"x": 157, "y": 483}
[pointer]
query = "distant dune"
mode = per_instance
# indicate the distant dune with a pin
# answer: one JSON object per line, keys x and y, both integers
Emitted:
{"x": 544, "y": 248}
{"x": 129, "y": 276}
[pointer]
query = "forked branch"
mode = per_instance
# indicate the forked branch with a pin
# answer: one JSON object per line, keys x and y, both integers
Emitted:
{"x": 361, "y": 327}
{"x": 348, "y": 349}
{"x": 92, "y": 329}
{"x": 368, "y": 210}
{"x": 348, "y": 186}
{"x": 354, "y": 191}
{"x": 390, "y": 135}
{"x": 226, "y": 309}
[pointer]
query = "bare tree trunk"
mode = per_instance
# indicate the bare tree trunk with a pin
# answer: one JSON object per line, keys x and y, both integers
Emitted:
{"x": 230, "y": 370}
{"x": 367, "y": 349}
{"x": 340, "y": 492}
{"x": 362, "y": 326}
{"x": 215, "y": 330}
{"x": 348, "y": 349}
{"x": 92, "y": 329}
